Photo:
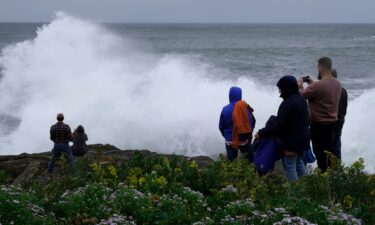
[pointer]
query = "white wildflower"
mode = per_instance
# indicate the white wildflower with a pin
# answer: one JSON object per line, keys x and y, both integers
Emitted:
{"x": 293, "y": 221}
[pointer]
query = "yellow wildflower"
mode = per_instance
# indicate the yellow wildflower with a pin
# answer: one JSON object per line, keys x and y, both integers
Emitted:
{"x": 112, "y": 170}
{"x": 193, "y": 165}
{"x": 141, "y": 181}
{"x": 161, "y": 181}
{"x": 97, "y": 168}
{"x": 348, "y": 201}
{"x": 133, "y": 180}
{"x": 253, "y": 194}
{"x": 178, "y": 170}
{"x": 166, "y": 161}
{"x": 325, "y": 174}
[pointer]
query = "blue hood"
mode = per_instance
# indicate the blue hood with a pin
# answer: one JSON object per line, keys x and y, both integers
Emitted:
{"x": 235, "y": 94}
{"x": 288, "y": 86}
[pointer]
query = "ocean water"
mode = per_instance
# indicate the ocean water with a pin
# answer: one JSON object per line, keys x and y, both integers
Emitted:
{"x": 162, "y": 86}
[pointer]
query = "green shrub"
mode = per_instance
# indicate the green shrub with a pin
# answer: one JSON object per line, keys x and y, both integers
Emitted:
{"x": 159, "y": 190}
{"x": 20, "y": 207}
{"x": 3, "y": 177}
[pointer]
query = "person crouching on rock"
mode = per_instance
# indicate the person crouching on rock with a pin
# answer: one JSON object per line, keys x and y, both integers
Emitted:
{"x": 61, "y": 135}
{"x": 236, "y": 125}
{"x": 79, "y": 141}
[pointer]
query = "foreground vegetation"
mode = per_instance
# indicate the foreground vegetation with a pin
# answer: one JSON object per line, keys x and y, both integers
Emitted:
{"x": 173, "y": 190}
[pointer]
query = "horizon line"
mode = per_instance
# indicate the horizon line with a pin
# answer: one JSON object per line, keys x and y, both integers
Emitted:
{"x": 208, "y": 23}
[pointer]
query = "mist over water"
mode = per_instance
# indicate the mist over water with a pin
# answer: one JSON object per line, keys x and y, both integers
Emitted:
{"x": 128, "y": 96}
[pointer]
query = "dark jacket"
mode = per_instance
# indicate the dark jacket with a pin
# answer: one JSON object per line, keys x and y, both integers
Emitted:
{"x": 343, "y": 105}
{"x": 271, "y": 138}
{"x": 79, "y": 144}
{"x": 226, "y": 120}
{"x": 292, "y": 125}
{"x": 60, "y": 133}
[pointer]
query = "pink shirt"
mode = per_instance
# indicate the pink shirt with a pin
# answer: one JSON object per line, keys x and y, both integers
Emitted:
{"x": 323, "y": 97}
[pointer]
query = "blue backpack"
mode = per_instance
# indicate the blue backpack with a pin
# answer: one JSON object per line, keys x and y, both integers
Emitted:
{"x": 265, "y": 154}
{"x": 267, "y": 151}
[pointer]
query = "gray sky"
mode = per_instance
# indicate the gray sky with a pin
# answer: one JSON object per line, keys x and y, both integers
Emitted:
{"x": 251, "y": 11}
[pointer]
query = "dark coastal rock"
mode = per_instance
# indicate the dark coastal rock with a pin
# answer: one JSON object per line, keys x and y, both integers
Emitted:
{"x": 29, "y": 173}
{"x": 16, "y": 165}
{"x": 25, "y": 167}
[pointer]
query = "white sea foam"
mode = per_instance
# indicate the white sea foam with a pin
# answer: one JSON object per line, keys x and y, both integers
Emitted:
{"x": 358, "y": 134}
{"x": 122, "y": 96}
{"x": 132, "y": 98}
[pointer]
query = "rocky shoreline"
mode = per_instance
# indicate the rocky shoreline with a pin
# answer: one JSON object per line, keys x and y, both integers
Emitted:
{"x": 25, "y": 167}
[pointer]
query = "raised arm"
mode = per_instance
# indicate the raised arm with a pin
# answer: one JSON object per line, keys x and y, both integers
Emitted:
{"x": 309, "y": 92}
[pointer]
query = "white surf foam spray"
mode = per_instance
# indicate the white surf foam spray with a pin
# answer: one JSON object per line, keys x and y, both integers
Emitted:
{"x": 128, "y": 97}
{"x": 121, "y": 95}
{"x": 358, "y": 138}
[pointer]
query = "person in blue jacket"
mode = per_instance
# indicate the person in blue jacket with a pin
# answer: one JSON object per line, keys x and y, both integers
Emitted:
{"x": 292, "y": 126}
{"x": 226, "y": 127}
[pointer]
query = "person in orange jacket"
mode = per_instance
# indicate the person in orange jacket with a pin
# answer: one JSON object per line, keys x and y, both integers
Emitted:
{"x": 236, "y": 125}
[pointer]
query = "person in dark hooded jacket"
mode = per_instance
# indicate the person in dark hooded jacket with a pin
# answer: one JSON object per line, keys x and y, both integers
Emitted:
{"x": 226, "y": 127}
{"x": 79, "y": 142}
{"x": 292, "y": 126}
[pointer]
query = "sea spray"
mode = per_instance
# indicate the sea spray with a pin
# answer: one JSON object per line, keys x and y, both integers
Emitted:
{"x": 358, "y": 138}
{"x": 121, "y": 94}
{"x": 130, "y": 97}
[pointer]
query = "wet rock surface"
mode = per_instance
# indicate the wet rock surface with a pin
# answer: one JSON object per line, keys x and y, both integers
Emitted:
{"x": 25, "y": 167}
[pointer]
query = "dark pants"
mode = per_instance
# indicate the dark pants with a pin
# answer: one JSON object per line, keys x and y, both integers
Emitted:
{"x": 337, "y": 142}
{"x": 247, "y": 150}
{"x": 322, "y": 137}
{"x": 56, "y": 152}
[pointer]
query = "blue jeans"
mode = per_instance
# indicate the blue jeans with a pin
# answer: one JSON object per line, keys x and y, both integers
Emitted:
{"x": 294, "y": 167}
{"x": 56, "y": 152}
{"x": 245, "y": 149}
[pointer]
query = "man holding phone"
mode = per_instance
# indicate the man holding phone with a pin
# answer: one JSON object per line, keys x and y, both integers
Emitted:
{"x": 323, "y": 97}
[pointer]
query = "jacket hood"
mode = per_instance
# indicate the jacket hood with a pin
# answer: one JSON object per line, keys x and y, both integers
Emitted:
{"x": 235, "y": 94}
{"x": 288, "y": 86}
